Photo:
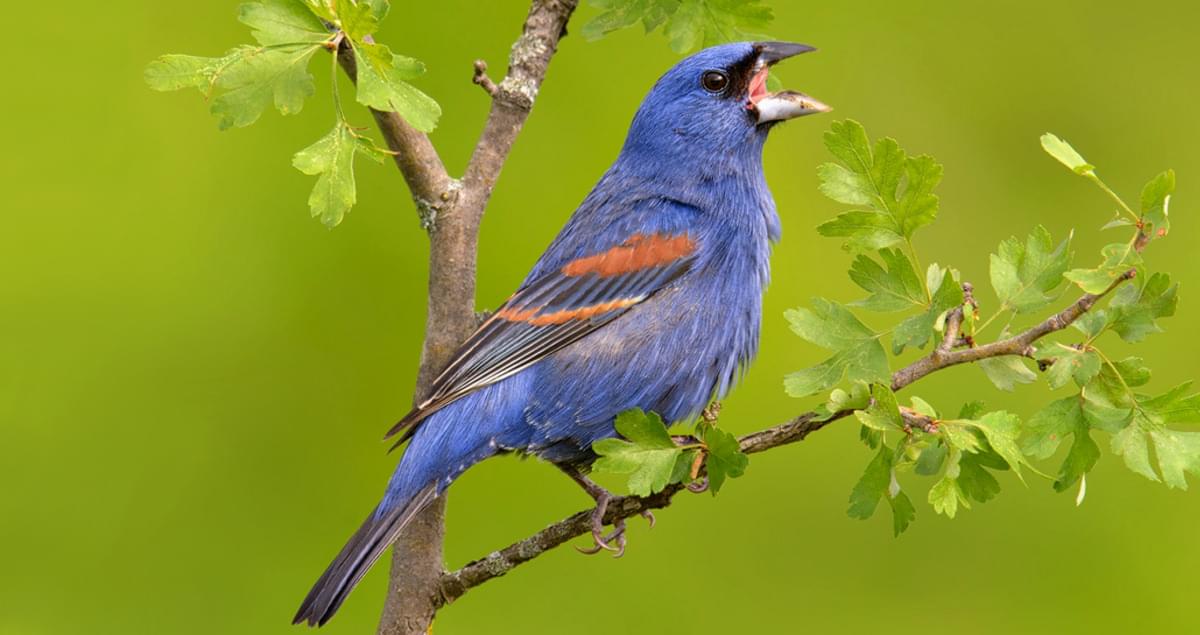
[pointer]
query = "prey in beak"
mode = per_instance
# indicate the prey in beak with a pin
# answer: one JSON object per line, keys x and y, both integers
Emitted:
{"x": 783, "y": 105}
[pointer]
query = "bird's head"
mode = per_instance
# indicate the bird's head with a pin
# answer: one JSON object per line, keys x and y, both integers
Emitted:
{"x": 716, "y": 102}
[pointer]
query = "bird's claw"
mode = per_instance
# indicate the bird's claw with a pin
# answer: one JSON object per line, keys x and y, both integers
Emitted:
{"x": 699, "y": 485}
{"x": 615, "y": 541}
{"x": 601, "y": 541}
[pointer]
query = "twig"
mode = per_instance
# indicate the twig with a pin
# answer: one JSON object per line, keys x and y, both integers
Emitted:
{"x": 482, "y": 80}
{"x": 454, "y": 584}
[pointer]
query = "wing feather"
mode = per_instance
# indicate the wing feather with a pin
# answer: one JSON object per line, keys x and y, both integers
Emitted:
{"x": 555, "y": 310}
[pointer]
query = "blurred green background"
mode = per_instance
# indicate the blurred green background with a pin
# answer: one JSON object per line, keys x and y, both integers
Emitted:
{"x": 195, "y": 374}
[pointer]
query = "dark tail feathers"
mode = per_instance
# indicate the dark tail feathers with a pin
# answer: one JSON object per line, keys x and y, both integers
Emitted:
{"x": 352, "y": 563}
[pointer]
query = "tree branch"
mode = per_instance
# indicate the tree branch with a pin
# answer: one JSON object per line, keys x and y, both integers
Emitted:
{"x": 513, "y": 97}
{"x": 451, "y": 211}
{"x": 456, "y": 583}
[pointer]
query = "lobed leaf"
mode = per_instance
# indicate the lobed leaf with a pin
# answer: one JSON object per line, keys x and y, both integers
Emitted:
{"x": 871, "y": 486}
{"x": 647, "y": 453}
{"x": 383, "y": 78}
{"x": 894, "y": 285}
{"x": 1071, "y": 363}
{"x": 283, "y": 22}
{"x": 331, "y": 160}
{"x": 1024, "y": 274}
{"x": 1006, "y": 372}
{"x": 895, "y": 189}
{"x": 725, "y": 458}
{"x": 1117, "y": 259}
{"x": 689, "y": 24}
{"x": 1156, "y": 198}
{"x": 857, "y": 353}
{"x": 1133, "y": 311}
{"x": 947, "y": 294}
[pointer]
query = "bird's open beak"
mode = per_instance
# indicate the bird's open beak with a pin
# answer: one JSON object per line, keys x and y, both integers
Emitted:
{"x": 785, "y": 104}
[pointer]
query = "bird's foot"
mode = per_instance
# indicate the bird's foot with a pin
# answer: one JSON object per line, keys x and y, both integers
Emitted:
{"x": 614, "y": 541}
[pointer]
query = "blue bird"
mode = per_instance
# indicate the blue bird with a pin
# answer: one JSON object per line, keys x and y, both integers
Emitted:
{"x": 650, "y": 297}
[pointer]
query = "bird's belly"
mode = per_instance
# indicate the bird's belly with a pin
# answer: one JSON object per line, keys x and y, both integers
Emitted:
{"x": 669, "y": 355}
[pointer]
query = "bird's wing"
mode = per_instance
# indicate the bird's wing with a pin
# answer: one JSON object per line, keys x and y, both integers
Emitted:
{"x": 556, "y": 309}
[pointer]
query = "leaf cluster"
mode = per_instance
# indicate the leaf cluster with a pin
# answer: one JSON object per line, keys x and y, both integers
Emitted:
{"x": 651, "y": 459}
{"x": 687, "y": 24}
{"x": 247, "y": 80}
{"x": 892, "y": 195}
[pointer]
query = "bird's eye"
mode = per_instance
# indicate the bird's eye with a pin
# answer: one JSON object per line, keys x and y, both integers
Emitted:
{"x": 714, "y": 81}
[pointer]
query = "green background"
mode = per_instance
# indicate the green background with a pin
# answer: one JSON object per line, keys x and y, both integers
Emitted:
{"x": 195, "y": 374}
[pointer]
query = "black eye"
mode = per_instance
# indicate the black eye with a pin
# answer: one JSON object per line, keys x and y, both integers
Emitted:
{"x": 714, "y": 81}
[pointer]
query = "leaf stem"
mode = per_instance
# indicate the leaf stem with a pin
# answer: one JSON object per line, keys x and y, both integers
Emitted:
{"x": 1113, "y": 195}
{"x": 333, "y": 78}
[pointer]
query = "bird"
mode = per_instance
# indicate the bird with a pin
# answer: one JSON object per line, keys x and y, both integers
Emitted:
{"x": 649, "y": 297}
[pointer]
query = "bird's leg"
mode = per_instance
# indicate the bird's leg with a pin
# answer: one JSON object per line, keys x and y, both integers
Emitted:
{"x": 602, "y": 498}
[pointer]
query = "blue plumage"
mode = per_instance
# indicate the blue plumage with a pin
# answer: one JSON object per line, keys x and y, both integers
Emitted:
{"x": 650, "y": 297}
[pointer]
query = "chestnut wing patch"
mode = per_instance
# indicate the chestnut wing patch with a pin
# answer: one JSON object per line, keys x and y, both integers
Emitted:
{"x": 555, "y": 310}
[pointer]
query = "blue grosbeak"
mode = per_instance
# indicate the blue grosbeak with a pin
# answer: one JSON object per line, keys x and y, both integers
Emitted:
{"x": 649, "y": 298}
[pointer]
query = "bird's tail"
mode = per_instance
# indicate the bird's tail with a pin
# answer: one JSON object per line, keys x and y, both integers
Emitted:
{"x": 366, "y": 545}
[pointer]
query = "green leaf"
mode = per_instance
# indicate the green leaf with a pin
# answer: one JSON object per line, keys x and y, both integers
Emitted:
{"x": 725, "y": 457}
{"x": 916, "y": 330}
{"x": 884, "y": 413}
{"x": 1092, "y": 323}
{"x": 924, "y": 408}
{"x": 242, "y": 83}
{"x": 945, "y": 496}
{"x": 1080, "y": 459}
{"x": 360, "y": 18}
{"x": 1047, "y": 429}
{"x": 1066, "y": 155}
{"x": 870, "y": 436}
{"x": 383, "y": 85}
{"x": 1115, "y": 382}
{"x": 1177, "y": 452}
{"x": 903, "y": 512}
{"x": 248, "y": 87}
{"x": 974, "y": 481}
{"x": 893, "y": 288}
{"x": 1156, "y": 199}
{"x": 175, "y": 72}
{"x": 895, "y": 189}
{"x": 857, "y": 398}
{"x": 1007, "y": 371}
{"x": 857, "y": 353}
{"x": 971, "y": 410}
{"x": 710, "y": 22}
{"x": 619, "y": 14}
{"x": 283, "y": 22}
{"x": 1131, "y": 445}
{"x": 1118, "y": 258}
{"x": 1070, "y": 363}
{"x": 872, "y": 485}
{"x": 959, "y": 435}
{"x": 647, "y": 453}
{"x": 247, "y": 80}
{"x": 1024, "y": 274}
{"x": 1133, "y": 310}
{"x": 930, "y": 460}
{"x": 1001, "y": 429}
{"x": 331, "y": 160}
